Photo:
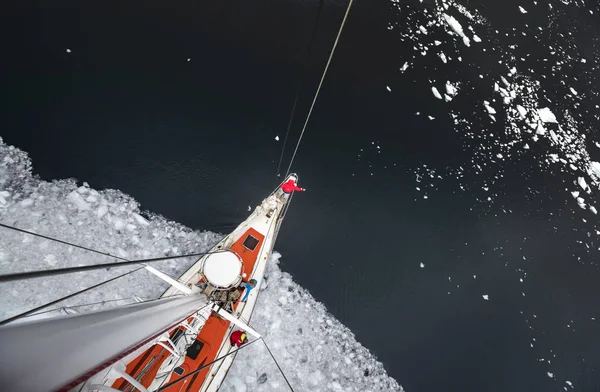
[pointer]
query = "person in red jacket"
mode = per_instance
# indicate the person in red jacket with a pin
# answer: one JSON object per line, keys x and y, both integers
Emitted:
{"x": 290, "y": 186}
{"x": 238, "y": 338}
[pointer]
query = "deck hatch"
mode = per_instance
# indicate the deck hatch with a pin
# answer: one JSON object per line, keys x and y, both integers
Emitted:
{"x": 250, "y": 242}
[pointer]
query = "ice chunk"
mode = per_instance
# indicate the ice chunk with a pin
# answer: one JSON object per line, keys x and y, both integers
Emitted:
{"x": 277, "y": 138}
{"x": 68, "y": 50}
{"x": 546, "y": 115}
{"x": 486, "y": 297}
{"x": 595, "y": 166}
{"x": 26, "y": 202}
{"x": 450, "y": 89}
{"x": 490, "y": 109}
{"x": 476, "y": 38}
{"x": 78, "y": 201}
{"x": 582, "y": 183}
{"x": 573, "y": 91}
{"x": 522, "y": 111}
{"x": 575, "y": 194}
{"x": 404, "y": 67}
{"x": 102, "y": 210}
{"x": 249, "y": 208}
{"x": 119, "y": 223}
{"x": 388, "y": 88}
{"x": 140, "y": 219}
{"x": 442, "y": 56}
{"x": 436, "y": 93}
{"x": 50, "y": 259}
{"x": 423, "y": 29}
{"x": 457, "y": 27}
{"x": 551, "y": 375}
{"x": 569, "y": 383}
{"x": 422, "y": 265}
{"x": 523, "y": 11}
{"x": 437, "y": 43}
{"x": 593, "y": 209}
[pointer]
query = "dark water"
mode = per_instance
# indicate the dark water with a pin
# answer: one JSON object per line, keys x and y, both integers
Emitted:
{"x": 194, "y": 141}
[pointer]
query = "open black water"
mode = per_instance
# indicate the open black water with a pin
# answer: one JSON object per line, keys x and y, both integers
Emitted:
{"x": 195, "y": 141}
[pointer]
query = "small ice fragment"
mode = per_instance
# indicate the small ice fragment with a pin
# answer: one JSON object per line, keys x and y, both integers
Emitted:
{"x": 78, "y": 201}
{"x": 593, "y": 209}
{"x": 437, "y": 43}
{"x": 569, "y": 383}
{"x": 50, "y": 259}
{"x": 102, "y": 210}
{"x": 422, "y": 265}
{"x": 388, "y": 88}
{"x": 119, "y": 224}
{"x": 523, "y": 11}
{"x": 189, "y": 59}
{"x": 450, "y": 89}
{"x": 522, "y": 111}
{"x": 551, "y": 375}
{"x": 423, "y": 29}
{"x": 249, "y": 208}
{"x": 546, "y": 115}
{"x": 140, "y": 219}
{"x": 436, "y": 93}
{"x": 486, "y": 297}
{"x": 490, "y": 109}
{"x": 582, "y": 183}
{"x": 404, "y": 67}
{"x": 431, "y": 117}
{"x": 443, "y": 57}
{"x": 68, "y": 50}
{"x": 595, "y": 166}
{"x": 277, "y": 138}
{"x": 573, "y": 91}
{"x": 476, "y": 38}
{"x": 575, "y": 194}
{"x": 26, "y": 202}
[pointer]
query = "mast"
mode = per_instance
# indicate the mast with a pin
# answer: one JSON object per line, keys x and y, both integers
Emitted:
{"x": 59, "y": 353}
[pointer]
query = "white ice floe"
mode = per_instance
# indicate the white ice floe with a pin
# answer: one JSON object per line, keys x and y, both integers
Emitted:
{"x": 442, "y": 56}
{"x": 476, "y": 38}
{"x": 68, "y": 50}
{"x": 486, "y": 297}
{"x": 277, "y": 138}
{"x": 422, "y": 29}
{"x": 457, "y": 28}
{"x": 422, "y": 265}
{"x": 490, "y": 109}
{"x": 404, "y": 67}
{"x": 573, "y": 91}
{"x": 388, "y": 88}
{"x": 523, "y": 11}
{"x": 546, "y": 115}
{"x": 582, "y": 183}
{"x": 551, "y": 375}
{"x": 436, "y": 93}
{"x": 328, "y": 353}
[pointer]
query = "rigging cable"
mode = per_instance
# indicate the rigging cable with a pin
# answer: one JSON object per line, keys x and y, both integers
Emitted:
{"x": 18, "y": 316}
{"x": 60, "y": 241}
{"x": 277, "y": 363}
{"x": 320, "y": 84}
{"x": 69, "y": 270}
{"x": 301, "y": 78}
